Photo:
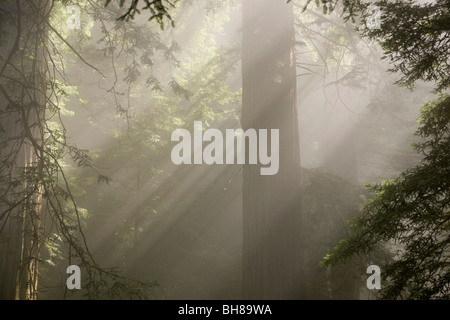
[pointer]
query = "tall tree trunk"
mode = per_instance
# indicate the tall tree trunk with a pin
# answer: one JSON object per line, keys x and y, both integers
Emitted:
{"x": 137, "y": 216}
{"x": 272, "y": 220}
{"x": 23, "y": 100}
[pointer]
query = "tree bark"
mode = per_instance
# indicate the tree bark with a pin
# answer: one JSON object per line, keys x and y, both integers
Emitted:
{"x": 23, "y": 100}
{"x": 271, "y": 204}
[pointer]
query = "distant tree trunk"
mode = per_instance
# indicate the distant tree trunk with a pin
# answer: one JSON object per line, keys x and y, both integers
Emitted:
{"x": 137, "y": 216}
{"x": 340, "y": 157}
{"x": 272, "y": 221}
{"x": 23, "y": 101}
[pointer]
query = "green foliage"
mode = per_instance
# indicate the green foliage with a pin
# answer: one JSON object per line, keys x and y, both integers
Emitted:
{"x": 409, "y": 215}
{"x": 162, "y": 88}
{"x": 112, "y": 285}
{"x": 144, "y": 146}
{"x": 412, "y": 212}
{"x": 157, "y": 8}
{"x": 414, "y": 36}
{"x": 351, "y": 8}
{"x": 39, "y": 187}
{"x": 328, "y": 202}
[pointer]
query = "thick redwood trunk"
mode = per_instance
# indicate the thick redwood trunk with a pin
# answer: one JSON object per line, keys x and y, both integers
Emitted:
{"x": 23, "y": 101}
{"x": 272, "y": 266}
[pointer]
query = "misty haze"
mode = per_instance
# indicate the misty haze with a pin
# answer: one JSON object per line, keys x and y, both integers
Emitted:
{"x": 224, "y": 150}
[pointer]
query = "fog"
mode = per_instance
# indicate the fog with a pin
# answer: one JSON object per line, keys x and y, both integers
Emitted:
{"x": 117, "y": 90}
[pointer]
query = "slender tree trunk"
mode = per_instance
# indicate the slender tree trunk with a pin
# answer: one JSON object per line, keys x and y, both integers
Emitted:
{"x": 272, "y": 221}
{"x": 23, "y": 101}
{"x": 137, "y": 216}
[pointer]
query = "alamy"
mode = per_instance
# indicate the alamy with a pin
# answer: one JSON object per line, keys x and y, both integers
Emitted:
{"x": 213, "y": 152}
